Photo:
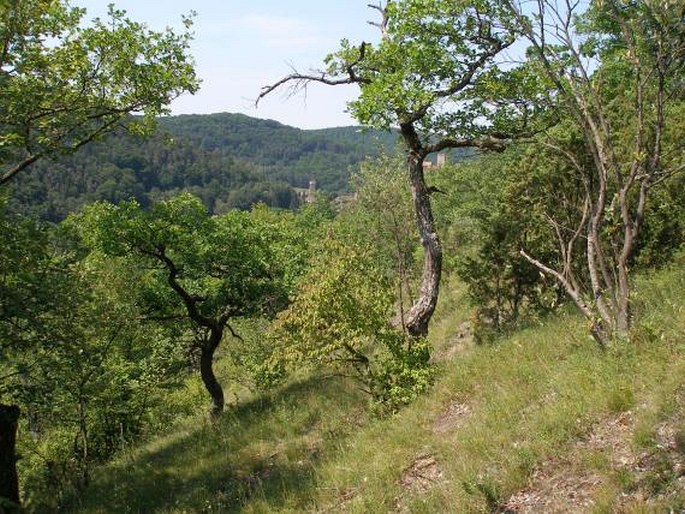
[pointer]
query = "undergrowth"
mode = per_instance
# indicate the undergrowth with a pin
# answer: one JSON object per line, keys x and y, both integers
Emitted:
{"x": 498, "y": 416}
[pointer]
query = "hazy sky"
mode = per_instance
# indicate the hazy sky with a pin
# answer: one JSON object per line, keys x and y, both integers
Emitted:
{"x": 241, "y": 46}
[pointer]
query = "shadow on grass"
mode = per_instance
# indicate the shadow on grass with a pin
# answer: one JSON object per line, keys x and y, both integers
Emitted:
{"x": 263, "y": 450}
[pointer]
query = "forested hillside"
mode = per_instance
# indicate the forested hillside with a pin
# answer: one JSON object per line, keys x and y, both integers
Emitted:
{"x": 228, "y": 160}
{"x": 502, "y": 333}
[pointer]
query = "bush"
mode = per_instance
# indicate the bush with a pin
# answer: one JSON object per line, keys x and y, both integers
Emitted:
{"x": 340, "y": 319}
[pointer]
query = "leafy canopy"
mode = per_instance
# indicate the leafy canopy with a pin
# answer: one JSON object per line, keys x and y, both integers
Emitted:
{"x": 65, "y": 83}
{"x": 425, "y": 68}
{"x": 226, "y": 263}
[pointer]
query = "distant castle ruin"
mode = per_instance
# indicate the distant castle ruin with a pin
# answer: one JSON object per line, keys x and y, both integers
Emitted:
{"x": 307, "y": 195}
{"x": 311, "y": 192}
{"x": 440, "y": 161}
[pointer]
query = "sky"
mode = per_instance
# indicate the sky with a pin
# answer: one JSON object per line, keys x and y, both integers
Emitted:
{"x": 241, "y": 46}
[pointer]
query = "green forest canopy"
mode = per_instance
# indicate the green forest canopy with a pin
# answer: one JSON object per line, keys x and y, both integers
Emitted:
{"x": 228, "y": 160}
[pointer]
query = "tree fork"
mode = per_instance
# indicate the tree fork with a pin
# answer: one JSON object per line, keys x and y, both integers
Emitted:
{"x": 473, "y": 50}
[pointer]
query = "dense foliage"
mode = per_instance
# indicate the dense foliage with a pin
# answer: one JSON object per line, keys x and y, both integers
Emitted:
{"x": 228, "y": 160}
{"x": 616, "y": 69}
{"x": 530, "y": 197}
{"x": 104, "y": 316}
{"x": 340, "y": 319}
{"x": 608, "y": 75}
{"x": 107, "y": 315}
{"x": 76, "y": 358}
{"x": 65, "y": 83}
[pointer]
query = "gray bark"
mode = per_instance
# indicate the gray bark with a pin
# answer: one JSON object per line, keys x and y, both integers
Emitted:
{"x": 419, "y": 315}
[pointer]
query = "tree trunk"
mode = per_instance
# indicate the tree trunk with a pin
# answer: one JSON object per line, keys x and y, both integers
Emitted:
{"x": 9, "y": 480}
{"x": 83, "y": 436}
{"x": 207, "y": 371}
{"x": 421, "y": 312}
{"x": 623, "y": 293}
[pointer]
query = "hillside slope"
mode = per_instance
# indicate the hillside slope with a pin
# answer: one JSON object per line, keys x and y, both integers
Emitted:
{"x": 542, "y": 421}
{"x": 228, "y": 160}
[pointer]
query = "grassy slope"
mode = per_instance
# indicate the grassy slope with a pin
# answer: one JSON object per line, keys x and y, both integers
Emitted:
{"x": 541, "y": 421}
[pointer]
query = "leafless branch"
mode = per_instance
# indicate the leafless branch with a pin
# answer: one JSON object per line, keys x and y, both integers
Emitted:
{"x": 665, "y": 175}
{"x": 570, "y": 290}
{"x": 299, "y": 81}
{"x": 383, "y": 24}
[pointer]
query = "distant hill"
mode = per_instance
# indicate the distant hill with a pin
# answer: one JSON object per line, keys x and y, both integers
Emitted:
{"x": 229, "y": 160}
{"x": 283, "y": 153}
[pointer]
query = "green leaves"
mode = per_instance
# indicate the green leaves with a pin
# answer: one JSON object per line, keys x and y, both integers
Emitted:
{"x": 74, "y": 353}
{"x": 339, "y": 304}
{"x": 425, "y": 66}
{"x": 340, "y": 319}
{"x": 65, "y": 84}
{"x": 230, "y": 262}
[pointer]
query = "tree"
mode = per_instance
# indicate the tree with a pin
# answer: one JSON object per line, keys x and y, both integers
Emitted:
{"x": 65, "y": 84}
{"x": 428, "y": 75}
{"x": 383, "y": 211}
{"x": 75, "y": 358}
{"x": 25, "y": 293}
{"x": 204, "y": 271}
{"x": 617, "y": 68}
{"x": 498, "y": 204}
{"x": 339, "y": 318}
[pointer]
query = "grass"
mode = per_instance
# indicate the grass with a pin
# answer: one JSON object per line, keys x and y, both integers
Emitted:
{"x": 530, "y": 406}
{"x": 262, "y": 448}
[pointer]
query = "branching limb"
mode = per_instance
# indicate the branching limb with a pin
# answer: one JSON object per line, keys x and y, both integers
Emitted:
{"x": 383, "y": 24}
{"x": 572, "y": 292}
{"x": 234, "y": 333}
{"x": 666, "y": 174}
{"x": 493, "y": 144}
{"x": 299, "y": 81}
{"x": 11, "y": 173}
{"x": 188, "y": 299}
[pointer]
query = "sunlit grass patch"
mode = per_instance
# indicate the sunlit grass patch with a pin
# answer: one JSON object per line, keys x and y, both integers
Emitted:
{"x": 544, "y": 407}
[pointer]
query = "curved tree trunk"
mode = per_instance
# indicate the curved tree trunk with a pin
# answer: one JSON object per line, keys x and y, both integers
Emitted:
{"x": 207, "y": 370}
{"x": 215, "y": 326}
{"x": 420, "y": 314}
{"x": 9, "y": 480}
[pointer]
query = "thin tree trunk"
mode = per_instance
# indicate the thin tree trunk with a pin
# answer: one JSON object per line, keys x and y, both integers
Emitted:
{"x": 83, "y": 435}
{"x": 207, "y": 371}
{"x": 623, "y": 292}
{"x": 422, "y": 310}
{"x": 597, "y": 328}
{"x": 9, "y": 480}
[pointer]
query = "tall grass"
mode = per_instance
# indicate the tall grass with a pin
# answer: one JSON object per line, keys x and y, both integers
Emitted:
{"x": 521, "y": 404}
